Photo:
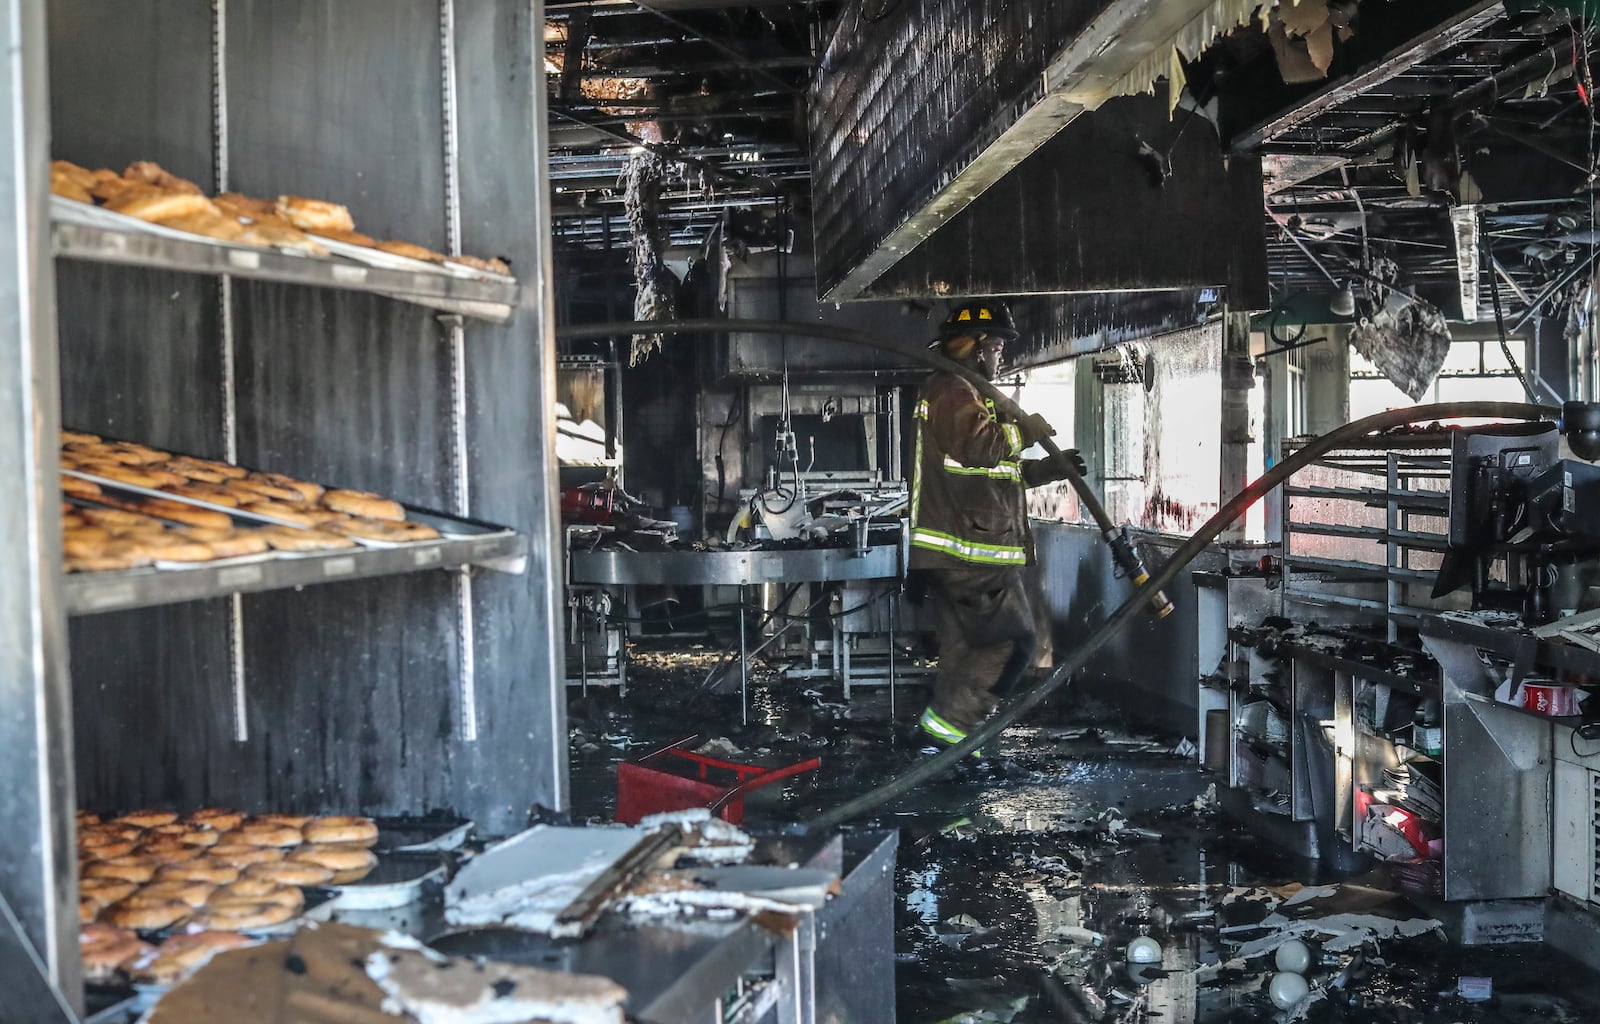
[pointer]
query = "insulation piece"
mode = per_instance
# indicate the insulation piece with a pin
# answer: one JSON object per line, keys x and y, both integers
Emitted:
{"x": 655, "y": 286}
{"x": 1408, "y": 340}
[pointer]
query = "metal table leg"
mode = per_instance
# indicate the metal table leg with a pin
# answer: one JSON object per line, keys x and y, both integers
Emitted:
{"x": 744, "y": 663}
{"x": 894, "y": 608}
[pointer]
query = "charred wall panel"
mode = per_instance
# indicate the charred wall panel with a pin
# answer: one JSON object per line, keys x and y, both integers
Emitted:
{"x": 904, "y": 102}
{"x": 1087, "y": 212}
{"x": 132, "y": 81}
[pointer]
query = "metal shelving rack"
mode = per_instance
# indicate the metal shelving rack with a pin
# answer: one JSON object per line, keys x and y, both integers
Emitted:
{"x": 1364, "y": 529}
{"x": 302, "y": 365}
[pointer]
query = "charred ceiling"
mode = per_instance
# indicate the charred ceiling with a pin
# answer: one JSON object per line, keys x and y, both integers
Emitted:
{"x": 1450, "y": 147}
{"x": 716, "y": 90}
{"x": 1444, "y": 147}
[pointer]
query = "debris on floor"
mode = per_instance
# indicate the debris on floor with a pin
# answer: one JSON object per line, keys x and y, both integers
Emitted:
{"x": 1019, "y": 899}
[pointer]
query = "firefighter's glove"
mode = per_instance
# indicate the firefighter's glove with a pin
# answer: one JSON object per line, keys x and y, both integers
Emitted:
{"x": 1071, "y": 457}
{"x": 1034, "y": 428}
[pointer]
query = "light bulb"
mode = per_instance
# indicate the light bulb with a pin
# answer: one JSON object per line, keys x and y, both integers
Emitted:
{"x": 1343, "y": 302}
{"x": 1144, "y": 950}
{"x": 1287, "y": 989}
{"x": 1293, "y": 956}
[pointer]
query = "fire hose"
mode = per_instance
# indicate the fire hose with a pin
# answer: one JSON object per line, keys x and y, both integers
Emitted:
{"x": 1144, "y": 591}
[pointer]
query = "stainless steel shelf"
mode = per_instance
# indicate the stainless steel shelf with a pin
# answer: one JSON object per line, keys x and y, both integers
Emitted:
{"x": 1363, "y": 570}
{"x": 1378, "y": 535}
{"x": 137, "y": 244}
{"x": 704, "y": 568}
{"x": 1377, "y": 497}
{"x": 95, "y": 592}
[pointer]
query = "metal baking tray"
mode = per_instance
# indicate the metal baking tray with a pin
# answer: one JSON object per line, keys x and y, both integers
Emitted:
{"x": 85, "y": 232}
{"x": 421, "y": 835}
{"x": 398, "y": 880}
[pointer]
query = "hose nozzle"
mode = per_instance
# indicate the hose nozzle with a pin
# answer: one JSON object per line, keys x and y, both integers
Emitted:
{"x": 1130, "y": 564}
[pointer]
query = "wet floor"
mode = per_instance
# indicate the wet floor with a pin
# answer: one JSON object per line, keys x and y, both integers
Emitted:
{"x": 1016, "y": 899}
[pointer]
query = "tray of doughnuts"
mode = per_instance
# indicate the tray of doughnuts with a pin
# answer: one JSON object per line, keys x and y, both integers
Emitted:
{"x": 156, "y": 873}
{"x": 128, "y": 506}
{"x": 147, "y": 197}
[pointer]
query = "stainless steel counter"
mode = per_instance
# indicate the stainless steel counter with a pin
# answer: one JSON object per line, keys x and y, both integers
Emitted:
{"x": 734, "y": 568}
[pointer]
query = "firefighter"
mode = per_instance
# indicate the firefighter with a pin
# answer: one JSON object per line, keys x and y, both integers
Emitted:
{"x": 970, "y": 540}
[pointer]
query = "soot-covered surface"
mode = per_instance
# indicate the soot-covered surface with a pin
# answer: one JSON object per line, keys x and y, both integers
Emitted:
{"x": 1017, "y": 897}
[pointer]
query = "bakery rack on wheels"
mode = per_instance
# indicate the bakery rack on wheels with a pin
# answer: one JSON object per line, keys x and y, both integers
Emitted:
{"x": 400, "y": 681}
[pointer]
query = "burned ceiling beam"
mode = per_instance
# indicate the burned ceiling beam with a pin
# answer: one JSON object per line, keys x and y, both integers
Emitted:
{"x": 1435, "y": 36}
{"x": 657, "y": 8}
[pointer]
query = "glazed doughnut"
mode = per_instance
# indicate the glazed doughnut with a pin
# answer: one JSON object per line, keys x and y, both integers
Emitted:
{"x": 492, "y": 265}
{"x": 152, "y": 173}
{"x": 302, "y": 491}
{"x": 363, "y": 503}
{"x": 198, "y": 472}
{"x": 199, "y": 836}
{"x": 211, "y": 224}
{"x": 147, "y": 818}
{"x": 242, "y": 855}
{"x": 84, "y": 542}
{"x": 182, "y": 954}
{"x": 169, "y": 850}
{"x": 246, "y": 206}
{"x": 292, "y": 820}
{"x": 280, "y": 234}
{"x": 234, "y": 544}
{"x": 288, "y": 538}
{"x": 353, "y": 875}
{"x": 290, "y": 874}
{"x": 281, "y": 511}
{"x": 79, "y": 487}
{"x": 261, "y": 890}
{"x": 63, "y": 185}
{"x": 216, "y": 494}
{"x": 105, "y": 949}
{"x": 176, "y": 828}
{"x": 88, "y": 909}
{"x": 341, "y": 830}
{"x": 383, "y": 529}
{"x": 133, "y": 454}
{"x": 347, "y": 237}
{"x": 267, "y": 833}
{"x": 130, "y": 868}
{"x": 315, "y": 214}
{"x": 336, "y": 857}
{"x": 394, "y": 247}
{"x": 78, "y": 436}
{"x": 203, "y": 869}
{"x": 264, "y": 489}
{"x": 239, "y": 916}
{"x": 219, "y": 818}
{"x": 154, "y": 205}
{"x": 105, "y": 891}
{"x": 104, "y": 844}
{"x": 146, "y": 914}
{"x": 122, "y": 474}
{"x": 194, "y": 894}
{"x": 120, "y": 519}
{"x": 188, "y": 515}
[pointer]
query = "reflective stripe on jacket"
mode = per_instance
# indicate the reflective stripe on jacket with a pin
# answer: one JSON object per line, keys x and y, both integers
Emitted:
{"x": 968, "y": 481}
